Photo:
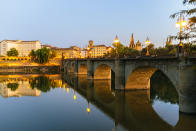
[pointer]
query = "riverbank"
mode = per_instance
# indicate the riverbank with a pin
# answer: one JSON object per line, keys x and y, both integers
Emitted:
{"x": 7, "y": 70}
{"x": 28, "y": 67}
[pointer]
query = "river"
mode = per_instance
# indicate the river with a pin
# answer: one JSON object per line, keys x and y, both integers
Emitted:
{"x": 69, "y": 103}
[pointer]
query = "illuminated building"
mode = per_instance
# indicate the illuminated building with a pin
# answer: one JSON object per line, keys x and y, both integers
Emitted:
{"x": 169, "y": 41}
{"x": 84, "y": 53}
{"x": 137, "y": 46}
{"x": 132, "y": 44}
{"x": 95, "y": 51}
{"x": 72, "y": 52}
{"x": 23, "y": 47}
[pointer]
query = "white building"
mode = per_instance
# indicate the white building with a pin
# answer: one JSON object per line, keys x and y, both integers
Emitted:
{"x": 23, "y": 47}
{"x": 84, "y": 53}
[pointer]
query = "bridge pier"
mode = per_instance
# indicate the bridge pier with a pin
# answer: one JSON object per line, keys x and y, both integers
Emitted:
{"x": 76, "y": 68}
{"x": 90, "y": 73}
{"x": 187, "y": 90}
{"x": 119, "y": 75}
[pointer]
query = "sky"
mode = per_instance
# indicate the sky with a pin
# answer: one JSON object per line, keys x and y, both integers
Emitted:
{"x": 66, "y": 23}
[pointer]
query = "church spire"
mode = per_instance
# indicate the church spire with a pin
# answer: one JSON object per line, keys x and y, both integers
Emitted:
{"x": 169, "y": 41}
{"x": 116, "y": 40}
{"x": 132, "y": 45}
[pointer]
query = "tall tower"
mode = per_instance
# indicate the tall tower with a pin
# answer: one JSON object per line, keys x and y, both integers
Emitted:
{"x": 138, "y": 46}
{"x": 116, "y": 40}
{"x": 91, "y": 44}
{"x": 132, "y": 45}
{"x": 169, "y": 41}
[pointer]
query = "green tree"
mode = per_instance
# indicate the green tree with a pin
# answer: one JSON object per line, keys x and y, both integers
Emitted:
{"x": 162, "y": 88}
{"x": 123, "y": 51}
{"x": 162, "y": 51}
{"x": 190, "y": 32}
{"x": 13, "y": 86}
{"x": 32, "y": 54}
{"x": 43, "y": 55}
{"x": 12, "y": 52}
{"x": 188, "y": 48}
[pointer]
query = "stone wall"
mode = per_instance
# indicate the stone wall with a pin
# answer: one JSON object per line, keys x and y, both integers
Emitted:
{"x": 30, "y": 70}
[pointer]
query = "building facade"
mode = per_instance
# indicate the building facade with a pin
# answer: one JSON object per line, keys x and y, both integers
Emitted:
{"x": 67, "y": 53}
{"x": 96, "y": 51}
{"x": 23, "y": 47}
{"x": 84, "y": 53}
{"x": 137, "y": 46}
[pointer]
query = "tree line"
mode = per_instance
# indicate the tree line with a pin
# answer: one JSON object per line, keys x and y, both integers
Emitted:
{"x": 40, "y": 56}
{"x": 169, "y": 50}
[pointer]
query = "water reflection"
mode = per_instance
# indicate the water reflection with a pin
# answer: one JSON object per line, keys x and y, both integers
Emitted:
{"x": 26, "y": 85}
{"x": 164, "y": 98}
{"x": 12, "y": 86}
{"x": 162, "y": 89}
{"x": 156, "y": 109}
{"x": 84, "y": 104}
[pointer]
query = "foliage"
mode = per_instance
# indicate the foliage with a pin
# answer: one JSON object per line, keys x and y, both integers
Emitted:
{"x": 168, "y": 50}
{"x": 162, "y": 89}
{"x": 162, "y": 51}
{"x": 151, "y": 49}
{"x": 43, "y": 55}
{"x": 190, "y": 32}
{"x": 189, "y": 49}
{"x": 13, "y": 86}
{"x": 32, "y": 54}
{"x": 123, "y": 51}
{"x": 41, "y": 83}
{"x": 12, "y": 52}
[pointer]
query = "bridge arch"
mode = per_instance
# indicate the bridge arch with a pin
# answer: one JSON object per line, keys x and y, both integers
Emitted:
{"x": 82, "y": 69}
{"x": 71, "y": 67}
{"x": 103, "y": 71}
{"x": 103, "y": 91}
{"x": 139, "y": 78}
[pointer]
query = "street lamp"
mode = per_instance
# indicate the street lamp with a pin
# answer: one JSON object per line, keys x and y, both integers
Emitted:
{"x": 88, "y": 49}
{"x": 181, "y": 23}
{"x": 147, "y": 43}
{"x": 116, "y": 43}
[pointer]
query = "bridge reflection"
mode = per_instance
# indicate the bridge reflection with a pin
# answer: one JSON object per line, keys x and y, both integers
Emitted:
{"x": 131, "y": 109}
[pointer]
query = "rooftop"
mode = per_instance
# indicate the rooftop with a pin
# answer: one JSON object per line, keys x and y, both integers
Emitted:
{"x": 17, "y": 41}
{"x": 99, "y": 46}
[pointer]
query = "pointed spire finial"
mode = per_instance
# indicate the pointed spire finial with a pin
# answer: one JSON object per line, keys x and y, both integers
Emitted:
{"x": 132, "y": 45}
{"x": 116, "y": 39}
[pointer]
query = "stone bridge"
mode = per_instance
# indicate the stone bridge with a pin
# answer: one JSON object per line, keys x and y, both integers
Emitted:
{"x": 134, "y": 74}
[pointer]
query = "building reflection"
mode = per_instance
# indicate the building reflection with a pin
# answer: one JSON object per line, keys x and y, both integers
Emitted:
{"x": 28, "y": 85}
{"x": 8, "y": 89}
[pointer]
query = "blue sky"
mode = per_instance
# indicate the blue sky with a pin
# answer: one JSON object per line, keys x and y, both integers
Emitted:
{"x": 74, "y": 22}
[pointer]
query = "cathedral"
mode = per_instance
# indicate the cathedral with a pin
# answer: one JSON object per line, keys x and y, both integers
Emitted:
{"x": 137, "y": 46}
{"x": 169, "y": 41}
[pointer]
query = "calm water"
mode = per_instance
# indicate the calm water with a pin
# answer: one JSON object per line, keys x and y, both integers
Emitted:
{"x": 65, "y": 103}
